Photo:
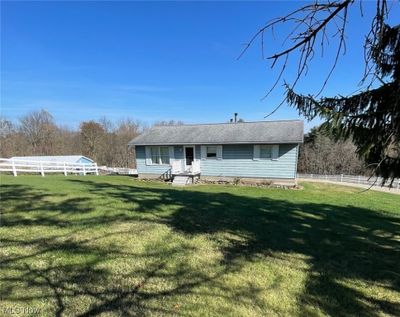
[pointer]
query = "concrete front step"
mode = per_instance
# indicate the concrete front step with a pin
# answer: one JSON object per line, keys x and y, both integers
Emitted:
{"x": 181, "y": 181}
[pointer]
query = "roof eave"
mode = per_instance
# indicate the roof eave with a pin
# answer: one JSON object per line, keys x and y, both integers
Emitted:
{"x": 205, "y": 143}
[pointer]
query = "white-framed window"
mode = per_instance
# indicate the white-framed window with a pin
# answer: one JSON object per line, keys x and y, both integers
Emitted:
{"x": 159, "y": 155}
{"x": 164, "y": 154}
{"x": 265, "y": 151}
{"x": 211, "y": 152}
{"x": 154, "y": 153}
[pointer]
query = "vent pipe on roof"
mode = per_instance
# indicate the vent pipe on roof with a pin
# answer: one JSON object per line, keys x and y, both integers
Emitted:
{"x": 236, "y": 114}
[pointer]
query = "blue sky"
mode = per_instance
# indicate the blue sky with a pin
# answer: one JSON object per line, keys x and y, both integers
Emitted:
{"x": 153, "y": 61}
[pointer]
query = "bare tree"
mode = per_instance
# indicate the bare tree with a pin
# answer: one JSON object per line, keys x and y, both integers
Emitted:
{"x": 38, "y": 129}
{"x": 6, "y": 127}
{"x": 107, "y": 141}
{"x": 168, "y": 122}
{"x": 67, "y": 141}
{"x": 125, "y": 131}
{"x": 7, "y": 137}
{"x": 92, "y": 136}
{"x": 322, "y": 154}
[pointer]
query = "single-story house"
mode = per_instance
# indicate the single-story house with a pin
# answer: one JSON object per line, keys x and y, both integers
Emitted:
{"x": 56, "y": 158}
{"x": 264, "y": 150}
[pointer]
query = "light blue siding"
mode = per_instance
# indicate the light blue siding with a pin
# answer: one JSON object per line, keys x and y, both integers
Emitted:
{"x": 237, "y": 161}
{"x": 84, "y": 160}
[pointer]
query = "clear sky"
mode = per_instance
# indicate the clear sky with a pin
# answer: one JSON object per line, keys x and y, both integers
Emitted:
{"x": 154, "y": 61}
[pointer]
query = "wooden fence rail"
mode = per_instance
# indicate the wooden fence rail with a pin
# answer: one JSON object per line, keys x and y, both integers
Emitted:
{"x": 364, "y": 180}
{"x": 42, "y": 167}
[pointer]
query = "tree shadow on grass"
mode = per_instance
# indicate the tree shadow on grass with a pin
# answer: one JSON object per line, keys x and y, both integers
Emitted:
{"x": 343, "y": 245}
{"x": 341, "y": 242}
{"x": 42, "y": 264}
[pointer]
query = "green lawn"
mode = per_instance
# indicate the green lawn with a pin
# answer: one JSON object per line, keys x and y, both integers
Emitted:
{"x": 115, "y": 246}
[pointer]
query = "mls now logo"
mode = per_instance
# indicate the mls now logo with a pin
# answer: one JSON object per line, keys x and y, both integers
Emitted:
{"x": 15, "y": 310}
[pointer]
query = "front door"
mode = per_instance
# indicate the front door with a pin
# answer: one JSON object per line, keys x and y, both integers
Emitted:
{"x": 189, "y": 155}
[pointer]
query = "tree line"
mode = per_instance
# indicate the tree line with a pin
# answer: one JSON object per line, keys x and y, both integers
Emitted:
{"x": 103, "y": 140}
{"x": 106, "y": 142}
{"x": 324, "y": 153}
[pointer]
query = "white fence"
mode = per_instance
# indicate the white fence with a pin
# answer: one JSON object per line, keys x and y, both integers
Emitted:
{"x": 364, "y": 180}
{"x": 118, "y": 170}
{"x": 30, "y": 166}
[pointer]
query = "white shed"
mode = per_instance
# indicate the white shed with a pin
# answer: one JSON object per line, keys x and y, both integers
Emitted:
{"x": 56, "y": 158}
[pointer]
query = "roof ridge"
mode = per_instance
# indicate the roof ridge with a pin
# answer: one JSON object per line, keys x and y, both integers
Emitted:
{"x": 228, "y": 123}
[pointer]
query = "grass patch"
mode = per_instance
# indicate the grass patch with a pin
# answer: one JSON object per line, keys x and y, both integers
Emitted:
{"x": 115, "y": 246}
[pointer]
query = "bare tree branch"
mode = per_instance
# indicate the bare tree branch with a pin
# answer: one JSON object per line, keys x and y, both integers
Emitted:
{"x": 313, "y": 33}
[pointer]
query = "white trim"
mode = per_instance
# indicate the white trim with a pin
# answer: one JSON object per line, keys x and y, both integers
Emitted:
{"x": 171, "y": 150}
{"x": 256, "y": 152}
{"x": 219, "y": 152}
{"x": 216, "y": 152}
{"x": 203, "y": 152}
{"x": 148, "y": 155}
{"x": 275, "y": 152}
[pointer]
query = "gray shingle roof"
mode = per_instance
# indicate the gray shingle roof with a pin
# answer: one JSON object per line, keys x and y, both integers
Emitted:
{"x": 290, "y": 131}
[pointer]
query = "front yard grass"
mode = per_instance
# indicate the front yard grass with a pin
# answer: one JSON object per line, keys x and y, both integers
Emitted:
{"x": 115, "y": 246}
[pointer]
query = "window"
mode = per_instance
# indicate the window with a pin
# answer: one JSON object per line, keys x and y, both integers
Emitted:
{"x": 164, "y": 155}
{"x": 265, "y": 151}
{"x": 155, "y": 158}
{"x": 159, "y": 155}
{"x": 211, "y": 152}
